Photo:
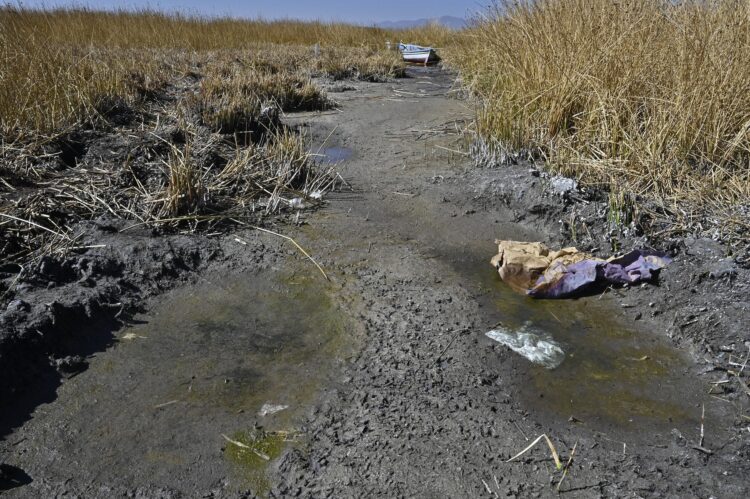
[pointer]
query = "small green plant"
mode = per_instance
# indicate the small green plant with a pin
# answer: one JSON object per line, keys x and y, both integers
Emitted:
{"x": 622, "y": 209}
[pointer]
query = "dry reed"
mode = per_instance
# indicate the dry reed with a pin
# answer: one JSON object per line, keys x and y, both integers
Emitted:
{"x": 62, "y": 68}
{"x": 211, "y": 91}
{"x": 646, "y": 98}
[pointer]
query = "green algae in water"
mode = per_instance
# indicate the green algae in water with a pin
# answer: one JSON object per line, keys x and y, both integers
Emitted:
{"x": 612, "y": 372}
{"x": 253, "y": 451}
{"x": 253, "y": 339}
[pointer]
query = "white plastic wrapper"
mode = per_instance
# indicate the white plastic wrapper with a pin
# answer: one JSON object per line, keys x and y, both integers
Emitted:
{"x": 536, "y": 347}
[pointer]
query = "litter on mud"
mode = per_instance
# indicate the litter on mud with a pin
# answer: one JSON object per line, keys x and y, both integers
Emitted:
{"x": 534, "y": 269}
{"x": 534, "y": 345}
{"x": 269, "y": 409}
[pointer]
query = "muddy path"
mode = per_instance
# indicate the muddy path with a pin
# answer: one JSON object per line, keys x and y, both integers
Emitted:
{"x": 260, "y": 377}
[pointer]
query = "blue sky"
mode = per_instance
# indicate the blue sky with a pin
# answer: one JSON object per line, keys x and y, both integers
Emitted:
{"x": 358, "y": 11}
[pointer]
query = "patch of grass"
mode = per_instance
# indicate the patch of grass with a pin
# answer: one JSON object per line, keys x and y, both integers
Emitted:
{"x": 360, "y": 63}
{"x": 181, "y": 191}
{"x": 60, "y": 67}
{"x": 644, "y": 97}
{"x": 211, "y": 91}
{"x": 232, "y": 100}
{"x": 185, "y": 191}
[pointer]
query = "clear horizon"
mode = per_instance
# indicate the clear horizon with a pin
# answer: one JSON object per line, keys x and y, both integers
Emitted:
{"x": 323, "y": 10}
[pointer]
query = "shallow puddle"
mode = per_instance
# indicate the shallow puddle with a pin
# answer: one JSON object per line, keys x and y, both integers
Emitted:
{"x": 253, "y": 341}
{"x": 615, "y": 373}
{"x": 256, "y": 345}
{"x": 217, "y": 376}
{"x": 612, "y": 374}
{"x": 334, "y": 155}
{"x": 609, "y": 372}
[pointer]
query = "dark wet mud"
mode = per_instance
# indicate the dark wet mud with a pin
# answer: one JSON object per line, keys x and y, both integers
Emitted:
{"x": 262, "y": 378}
{"x": 236, "y": 358}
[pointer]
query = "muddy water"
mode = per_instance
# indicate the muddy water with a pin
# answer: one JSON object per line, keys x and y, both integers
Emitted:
{"x": 614, "y": 375}
{"x": 185, "y": 388}
{"x": 335, "y": 155}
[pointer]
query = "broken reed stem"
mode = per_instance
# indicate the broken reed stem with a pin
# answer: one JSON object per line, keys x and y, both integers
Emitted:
{"x": 555, "y": 455}
{"x": 18, "y": 276}
{"x": 29, "y": 222}
{"x": 489, "y": 490}
{"x": 567, "y": 466}
{"x": 261, "y": 455}
{"x": 298, "y": 247}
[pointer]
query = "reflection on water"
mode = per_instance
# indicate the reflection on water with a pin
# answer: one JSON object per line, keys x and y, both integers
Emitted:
{"x": 333, "y": 155}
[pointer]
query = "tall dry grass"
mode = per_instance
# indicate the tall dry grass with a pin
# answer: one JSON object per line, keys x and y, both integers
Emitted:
{"x": 62, "y": 68}
{"x": 644, "y": 97}
{"x": 152, "y": 29}
{"x": 210, "y": 90}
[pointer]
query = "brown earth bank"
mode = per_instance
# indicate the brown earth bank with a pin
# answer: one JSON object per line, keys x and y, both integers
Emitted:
{"x": 156, "y": 364}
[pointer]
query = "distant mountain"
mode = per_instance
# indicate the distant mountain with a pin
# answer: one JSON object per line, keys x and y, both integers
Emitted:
{"x": 448, "y": 21}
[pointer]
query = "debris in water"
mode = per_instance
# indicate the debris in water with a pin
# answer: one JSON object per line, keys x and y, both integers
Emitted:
{"x": 271, "y": 409}
{"x": 242, "y": 445}
{"x": 542, "y": 273}
{"x": 316, "y": 194}
{"x": 535, "y": 347}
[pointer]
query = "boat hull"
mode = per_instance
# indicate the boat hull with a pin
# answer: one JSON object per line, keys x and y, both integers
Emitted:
{"x": 418, "y": 54}
{"x": 421, "y": 56}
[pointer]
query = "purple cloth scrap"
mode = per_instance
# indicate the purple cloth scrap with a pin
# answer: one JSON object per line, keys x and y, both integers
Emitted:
{"x": 563, "y": 281}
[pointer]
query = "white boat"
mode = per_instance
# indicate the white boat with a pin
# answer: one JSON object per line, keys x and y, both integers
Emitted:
{"x": 418, "y": 54}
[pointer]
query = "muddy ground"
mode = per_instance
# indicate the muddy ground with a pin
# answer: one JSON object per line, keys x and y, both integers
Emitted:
{"x": 158, "y": 365}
